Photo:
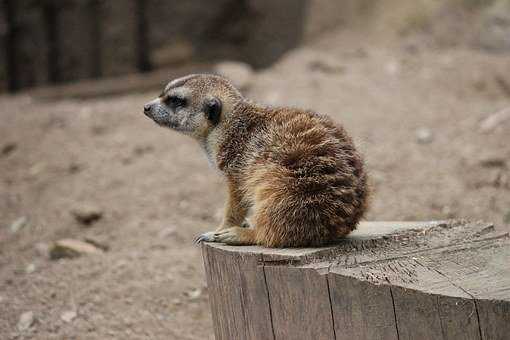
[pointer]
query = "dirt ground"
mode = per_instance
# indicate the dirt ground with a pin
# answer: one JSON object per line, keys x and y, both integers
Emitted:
{"x": 414, "y": 111}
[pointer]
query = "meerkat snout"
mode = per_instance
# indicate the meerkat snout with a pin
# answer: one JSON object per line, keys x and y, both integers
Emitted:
{"x": 147, "y": 108}
{"x": 162, "y": 112}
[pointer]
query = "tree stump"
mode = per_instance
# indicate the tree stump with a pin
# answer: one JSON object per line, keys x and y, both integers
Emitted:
{"x": 387, "y": 280}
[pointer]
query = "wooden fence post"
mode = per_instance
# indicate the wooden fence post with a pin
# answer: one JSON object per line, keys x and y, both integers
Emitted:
{"x": 11, "y": 45}
{"x": 94, "y": 9}
{"x": 50, "y": 12}
{"x": 387, "y": 280}
{"x": 142, "y": 37}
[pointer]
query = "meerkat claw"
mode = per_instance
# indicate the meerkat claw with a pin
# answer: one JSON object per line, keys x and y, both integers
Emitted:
{"x": 228, "y": 236}
{"x": 206, "y": 237}
{"x": 199, "y": 239}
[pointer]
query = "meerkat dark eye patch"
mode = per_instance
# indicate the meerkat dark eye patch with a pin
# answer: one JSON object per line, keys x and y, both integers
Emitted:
{"x": 212, "y": 109}
{"x": 175, "y": 101}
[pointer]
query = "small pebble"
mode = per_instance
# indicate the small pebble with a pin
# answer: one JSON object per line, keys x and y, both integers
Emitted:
{"x": 30, "y": 268}
{"x": 194, "y": 294}
{"x": 74, "y": 168}
{"x": 493, "y": 162}
{"x": 8, "y": 148}
{"x": 26, "y": 320}
{"x": 424, "y": 136}
{"x": 68, "y": 316}
{"x": 18, "y": 224}
{"x": 70, "y": 248}
{"x": 495, "y": 120}
{"x": 87, "y": 214}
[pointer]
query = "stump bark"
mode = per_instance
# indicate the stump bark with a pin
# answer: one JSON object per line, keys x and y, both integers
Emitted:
{"x": 387, "y": 280}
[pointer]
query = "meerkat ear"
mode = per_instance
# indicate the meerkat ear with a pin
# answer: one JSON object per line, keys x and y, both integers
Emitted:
{"x": 212, "y": 109}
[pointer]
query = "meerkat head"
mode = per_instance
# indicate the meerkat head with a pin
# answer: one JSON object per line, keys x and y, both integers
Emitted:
{"x": 194, "y": 105}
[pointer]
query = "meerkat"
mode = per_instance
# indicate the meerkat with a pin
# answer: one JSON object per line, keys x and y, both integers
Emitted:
{"x": 297, "y": 172}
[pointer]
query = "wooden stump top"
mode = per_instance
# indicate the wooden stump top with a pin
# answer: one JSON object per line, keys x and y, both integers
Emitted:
{"x": 387, "y": 280}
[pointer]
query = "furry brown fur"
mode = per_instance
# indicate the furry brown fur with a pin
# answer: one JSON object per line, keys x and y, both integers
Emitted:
{"x": 296, "y": 171}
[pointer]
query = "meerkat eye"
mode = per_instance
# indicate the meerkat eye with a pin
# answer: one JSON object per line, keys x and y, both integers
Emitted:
{"x": 212, "y": 109}
{"x": 176, "y": 101}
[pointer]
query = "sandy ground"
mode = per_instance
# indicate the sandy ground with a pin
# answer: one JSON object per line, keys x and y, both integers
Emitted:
{"x": 414, "y": 112}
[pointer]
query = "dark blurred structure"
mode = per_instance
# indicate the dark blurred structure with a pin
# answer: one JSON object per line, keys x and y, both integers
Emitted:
{"x": 54, "y": 41}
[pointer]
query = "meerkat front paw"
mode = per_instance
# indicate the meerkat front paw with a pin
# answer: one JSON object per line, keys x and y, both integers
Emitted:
{"x": 230, "y": 236}
{"x": 207, "y": 237}
{"x": 222, "y": 227}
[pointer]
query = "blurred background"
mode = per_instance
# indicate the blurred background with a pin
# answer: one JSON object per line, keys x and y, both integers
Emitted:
{"x": 99, "y": 206}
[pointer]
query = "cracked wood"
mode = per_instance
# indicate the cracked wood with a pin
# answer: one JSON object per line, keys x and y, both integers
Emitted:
{"x": 387, "y": 280}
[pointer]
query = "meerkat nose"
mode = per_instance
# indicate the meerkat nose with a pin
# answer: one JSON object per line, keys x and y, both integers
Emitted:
{"x": 147, "y": 108}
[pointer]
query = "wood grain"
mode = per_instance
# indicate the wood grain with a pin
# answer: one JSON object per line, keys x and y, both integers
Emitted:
{"x": 300, "y": 303}
{"x": 238, "y": 294}
{"x": 362, "y": 311}
{"x": 389, "y": 280}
